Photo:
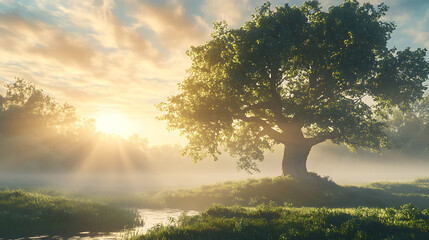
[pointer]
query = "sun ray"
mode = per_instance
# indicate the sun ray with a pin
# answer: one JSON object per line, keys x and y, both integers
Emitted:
{"x": 129, "y": 168}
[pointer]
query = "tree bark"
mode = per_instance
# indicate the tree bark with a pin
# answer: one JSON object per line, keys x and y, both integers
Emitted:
{"x": 295, "y": 159}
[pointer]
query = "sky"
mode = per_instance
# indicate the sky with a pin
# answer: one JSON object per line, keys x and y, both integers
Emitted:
{"x": 118, "y": 59}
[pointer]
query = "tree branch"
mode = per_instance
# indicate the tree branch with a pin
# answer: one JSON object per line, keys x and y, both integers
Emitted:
{"x": 321, "y": 137}
{"x": 257, "y": 106}
{"x": 266, "y": 128}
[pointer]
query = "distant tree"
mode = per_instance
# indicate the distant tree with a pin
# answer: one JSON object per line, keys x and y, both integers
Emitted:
{"x": 409, "y": 129}
{"x": 139, "y": 142}
{"x": 296, "y": 76}
{"x": 26, "y": 109}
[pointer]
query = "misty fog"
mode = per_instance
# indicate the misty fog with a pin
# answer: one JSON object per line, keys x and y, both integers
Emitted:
{"x": 163, "y": 167}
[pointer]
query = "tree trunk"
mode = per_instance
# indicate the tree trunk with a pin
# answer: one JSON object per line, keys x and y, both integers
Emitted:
{"x": 295, "y": 159}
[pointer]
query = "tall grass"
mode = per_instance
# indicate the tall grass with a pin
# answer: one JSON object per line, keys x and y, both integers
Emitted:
{"x": 265, "y": 222}
{"x": 25, "y": 214}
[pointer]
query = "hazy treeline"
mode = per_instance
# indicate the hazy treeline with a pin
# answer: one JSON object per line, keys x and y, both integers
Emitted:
{"x": 39, "y": 135}
{"x": 409, "y": 129}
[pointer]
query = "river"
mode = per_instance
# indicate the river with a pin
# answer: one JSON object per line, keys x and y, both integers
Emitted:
{"x": 151, "y": 217}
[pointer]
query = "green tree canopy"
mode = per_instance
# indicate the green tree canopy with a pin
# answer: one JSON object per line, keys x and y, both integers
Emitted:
{"x": 296, "y": 76}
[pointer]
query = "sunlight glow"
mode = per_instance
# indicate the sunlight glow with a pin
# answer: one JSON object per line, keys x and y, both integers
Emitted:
{"x": 114, "y": 124}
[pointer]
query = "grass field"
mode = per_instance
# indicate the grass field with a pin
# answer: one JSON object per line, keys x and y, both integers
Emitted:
{"x": 316, "y": 192}
{"x": 28, "y": 214}
{"x": 267, "y": 222}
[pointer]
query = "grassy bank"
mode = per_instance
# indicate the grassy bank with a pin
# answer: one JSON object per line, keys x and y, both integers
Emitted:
{"x": 265, "y": 222}
{"x": 418, "y": 186}
{"x": 315, "y": 192}
{"x": 26, "y": 214}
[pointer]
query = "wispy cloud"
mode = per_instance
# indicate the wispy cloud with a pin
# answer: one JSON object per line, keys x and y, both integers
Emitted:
{"x": 35, "y": 38}
{"x": 420, "y": 37}
{"x": 112, "y": 34}
{"x": 234, "y": 12}
{"x": 173, "y": 27}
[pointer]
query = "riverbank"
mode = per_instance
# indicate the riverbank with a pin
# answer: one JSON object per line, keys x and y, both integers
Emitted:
{"x": 30, "y": 213}
{"x": 269, "y": 222}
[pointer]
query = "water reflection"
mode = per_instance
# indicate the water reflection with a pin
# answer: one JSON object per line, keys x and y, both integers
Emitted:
{"x": 151, "y": 217}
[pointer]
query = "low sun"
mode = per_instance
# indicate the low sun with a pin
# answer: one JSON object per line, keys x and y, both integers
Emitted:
{"x": 113, "y": 124}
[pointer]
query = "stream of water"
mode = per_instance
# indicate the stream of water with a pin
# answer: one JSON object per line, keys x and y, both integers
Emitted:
{"x": 151, "y": 217}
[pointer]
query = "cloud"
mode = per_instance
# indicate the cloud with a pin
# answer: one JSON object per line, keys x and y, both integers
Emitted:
{"x": 65, "y": 50}
{"x": 127, "y": 38}
{"x": 232, "y": 11}
{"x": 77, "y": 94}
{"x": 407, "y": 5}
{"x": 169, "y": 21}
{"x": 35, "y": 38}
{"x": 108, "y": 30}
{"x": 420, "y": 37}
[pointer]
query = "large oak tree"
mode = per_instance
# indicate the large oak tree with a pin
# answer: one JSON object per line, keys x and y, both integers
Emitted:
{"x": 296, "y": 76}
